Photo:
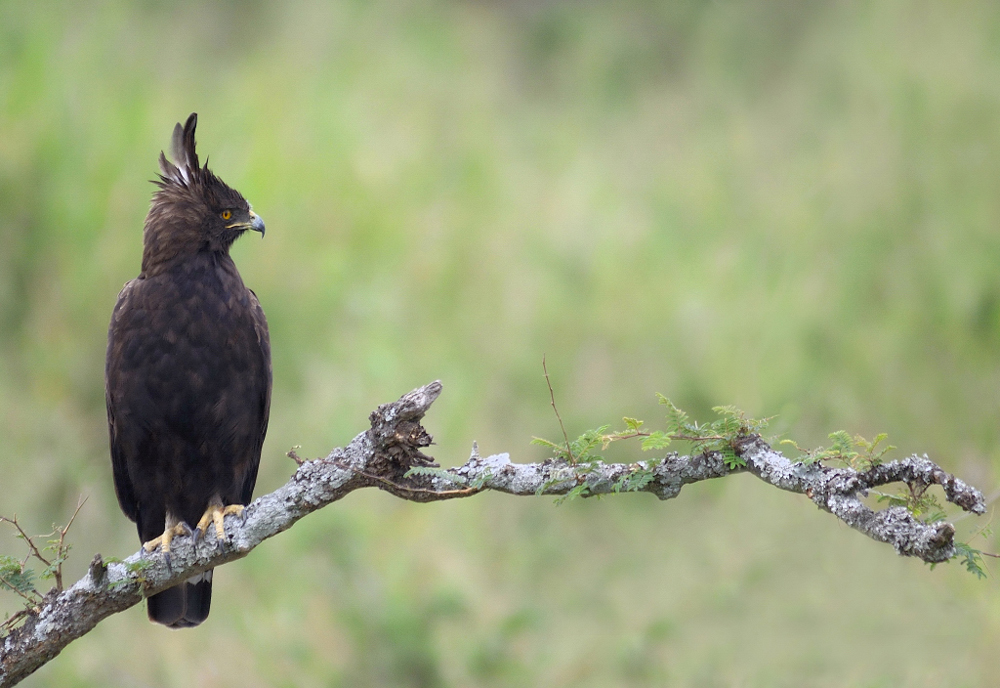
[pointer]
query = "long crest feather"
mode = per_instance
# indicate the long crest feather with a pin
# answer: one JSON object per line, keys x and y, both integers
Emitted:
{"x": 185, "y": 167}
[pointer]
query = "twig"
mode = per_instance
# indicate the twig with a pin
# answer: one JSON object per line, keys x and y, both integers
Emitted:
{"x": 11, "y": 586}
{"x": 706, "y": 438}
{"x": 552, "y": 397}
{"x": 9, "y": 623}
{"x": 463, "y": 492}
{"x": 61, "y": 549}
{"x": 27, "y": 538}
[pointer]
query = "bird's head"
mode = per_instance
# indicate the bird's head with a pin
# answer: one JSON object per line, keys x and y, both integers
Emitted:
{"x": 193, "y": 210}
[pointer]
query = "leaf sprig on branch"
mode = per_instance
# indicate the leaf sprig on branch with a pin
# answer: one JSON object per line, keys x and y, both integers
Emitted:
{"x": 720, "y": 435}
{"x": 15, "y": 574}
{"x": 843, "y": 450}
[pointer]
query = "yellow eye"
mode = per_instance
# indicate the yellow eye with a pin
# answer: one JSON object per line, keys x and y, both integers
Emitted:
{"x": 226, "y": 214}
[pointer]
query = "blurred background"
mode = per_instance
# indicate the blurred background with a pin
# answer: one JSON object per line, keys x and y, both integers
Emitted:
{"x": 793, "y": 207}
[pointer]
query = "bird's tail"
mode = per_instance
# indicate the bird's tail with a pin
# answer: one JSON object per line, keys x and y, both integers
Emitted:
{"x": 184, "y": 605}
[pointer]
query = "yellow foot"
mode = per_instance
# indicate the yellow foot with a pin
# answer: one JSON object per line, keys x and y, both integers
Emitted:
{"x": 216, "y": 513}
{"x": 163, "y": 541}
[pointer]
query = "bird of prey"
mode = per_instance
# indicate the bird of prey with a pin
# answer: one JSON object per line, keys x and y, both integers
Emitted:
{"x": 188, "y": 372}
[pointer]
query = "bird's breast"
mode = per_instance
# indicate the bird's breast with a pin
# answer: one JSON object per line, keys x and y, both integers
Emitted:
{"x": 187, "y": 343}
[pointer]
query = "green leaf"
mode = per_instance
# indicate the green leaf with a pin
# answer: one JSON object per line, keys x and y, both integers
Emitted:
{"x": 481, "y": 480}
{"x": 50, "y": 570}
{"x": 632, "y": 424}
{"x": 972, "y": 559}
{"x": 579, "y": 491}
{"x": 547, "y": 484}
{"x": 676, "y": 418}
{"x": 434, "y": 472}
{"x": 639, "y": 480}
{"x": 542, "y": 442}
{"x": 842, "y": 443}
{"x": 656, "y": 440}
{"x": 13, "y": 575}
{"x": 894, "y": 500}
{"x": 729, "y": 457}
{"x": 583, "y": 445}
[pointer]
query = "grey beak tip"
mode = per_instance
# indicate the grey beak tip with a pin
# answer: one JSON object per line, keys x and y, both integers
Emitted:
{"x": 257, "y": 225}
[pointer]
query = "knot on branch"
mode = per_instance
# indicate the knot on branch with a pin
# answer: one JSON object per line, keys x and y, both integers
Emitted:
{"x": 943, "y": 536}
{"x": 396, "y": 434}
{"x": 98, "y": 571}
{"x": 932, "y": 542}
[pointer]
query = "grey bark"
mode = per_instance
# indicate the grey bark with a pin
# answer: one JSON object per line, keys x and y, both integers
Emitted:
{"x": 382, "y": 456}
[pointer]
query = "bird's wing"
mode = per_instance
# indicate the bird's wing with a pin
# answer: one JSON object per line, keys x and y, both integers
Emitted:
{"x": 262, "y": 394}
{"x": 123, "y": 483}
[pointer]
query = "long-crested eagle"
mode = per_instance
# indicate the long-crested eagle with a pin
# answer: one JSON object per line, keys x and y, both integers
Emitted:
{"x": 188, "y": 374}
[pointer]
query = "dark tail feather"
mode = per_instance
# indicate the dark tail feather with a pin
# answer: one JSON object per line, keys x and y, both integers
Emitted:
{"x": 184, "y": 605}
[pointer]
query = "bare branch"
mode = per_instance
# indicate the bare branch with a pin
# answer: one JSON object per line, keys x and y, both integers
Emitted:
{"x": 382, "y": 456}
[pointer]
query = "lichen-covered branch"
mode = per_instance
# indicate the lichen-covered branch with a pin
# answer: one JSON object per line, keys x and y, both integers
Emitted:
{"x": 388, "y": 456}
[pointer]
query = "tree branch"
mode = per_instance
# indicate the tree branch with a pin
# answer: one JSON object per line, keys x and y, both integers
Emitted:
{"x": 388, "y": 456}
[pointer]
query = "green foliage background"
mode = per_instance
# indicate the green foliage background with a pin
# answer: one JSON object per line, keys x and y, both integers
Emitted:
{"x": 793, "y": 207}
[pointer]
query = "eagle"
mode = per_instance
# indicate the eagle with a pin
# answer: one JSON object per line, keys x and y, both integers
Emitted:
{"x": 188, "y": 372}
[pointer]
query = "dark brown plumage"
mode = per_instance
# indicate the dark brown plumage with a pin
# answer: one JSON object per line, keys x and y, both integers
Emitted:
{"x": 188, "y": 375}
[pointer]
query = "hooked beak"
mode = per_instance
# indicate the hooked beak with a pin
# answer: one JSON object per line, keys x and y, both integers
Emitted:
{"x": 256, "y": 223}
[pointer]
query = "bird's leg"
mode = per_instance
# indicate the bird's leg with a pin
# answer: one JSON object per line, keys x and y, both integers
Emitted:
{"x": 172, "y": 529}
{"x": 163, "y": 541}
{"x": 216, "y": 513}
